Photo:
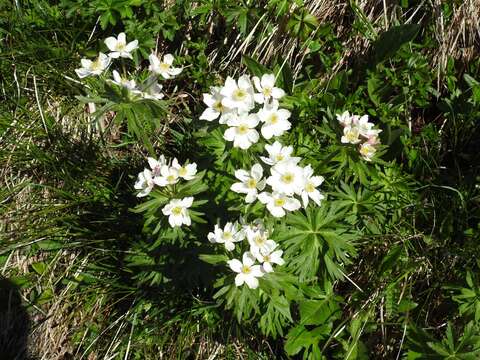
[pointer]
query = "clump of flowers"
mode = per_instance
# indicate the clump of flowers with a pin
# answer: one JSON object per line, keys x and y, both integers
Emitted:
{"x": 121, "y": 49}
{"x": 358, "y": 130}
{"x": 163, "y": 173}
{"x": 259, "y": 259}
{"x": 251, "y": 110}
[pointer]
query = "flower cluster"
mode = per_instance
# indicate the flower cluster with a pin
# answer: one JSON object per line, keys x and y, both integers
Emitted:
{"x": 358, "y": 130}
{"x": 236, "y": 104}
{"x": 261, "y": 249}
{"x": 287, "y": 179}
{"x": 119, "y": 48}
{"x": 163, "y": 173}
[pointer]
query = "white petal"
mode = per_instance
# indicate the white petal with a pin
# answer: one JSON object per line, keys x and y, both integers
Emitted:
{"x": 268, "y": 80}
{"x": 257, "y": 171}
{"x": 292, "y": 204}
{"x": 267, "y": 131}
{"x": 239, "y": 188}
{"x": 132, "y": 45}
{"x": 168, "y": 59}
{"x": 242, "y": 175}
{"x": 208, "y": 99}
{"x": 277, "y": 93}
{"x": 259, "y": 98}
{"x": 235, "y": 265}
{"x": 111, "y": 43}
{"x": 251, "y": 197}
{"x": 267, "y": 267}
{"x": 239, "y": 279}
{"x": 275, "y": 210}
{"x": 242, "y": 142}
{"x": 229, "y": 245}
{"x": 253, "y": 136}
{"x": 229, "y": 134}
{"x": 209, "y": 114}
{"x": 248, "y": 259}
{"x": 265, "y": 197}
{"x": 252, "y": 282}
{"x": 187, "y": 202}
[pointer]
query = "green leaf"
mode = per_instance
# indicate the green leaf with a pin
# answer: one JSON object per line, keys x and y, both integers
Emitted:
{"x": 391, "y": 40}
{"x": 213, "y": 259}
{"x": 254, "y": 66}
{"x": 390, "y": 259}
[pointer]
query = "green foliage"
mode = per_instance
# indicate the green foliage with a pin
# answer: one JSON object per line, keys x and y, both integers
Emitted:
{"x": 384, "y": 268}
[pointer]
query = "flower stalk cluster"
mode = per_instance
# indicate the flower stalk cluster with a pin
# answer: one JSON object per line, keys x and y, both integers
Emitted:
{"x": 259, "y": 259}
{"x": 119, "y": 48}
{"x": 358, "y": 130}
{"x": 163, "y": 173}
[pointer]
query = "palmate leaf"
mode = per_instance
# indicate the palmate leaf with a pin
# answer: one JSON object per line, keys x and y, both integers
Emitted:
{"x": 318, "y": 242}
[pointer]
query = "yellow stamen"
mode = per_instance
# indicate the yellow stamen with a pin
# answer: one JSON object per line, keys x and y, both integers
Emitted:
{"x": 279, "y": 202}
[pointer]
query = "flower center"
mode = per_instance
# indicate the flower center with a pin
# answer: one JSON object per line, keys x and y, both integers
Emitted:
{"x": 121, "y": 46}
{"x": 259, "y": 240}
{"x": 242, "y": 129}
{"x": 309, "y": 187}
{"x": 171, "y": 178}
{"x": 177, "y": 210}
{"x": 218, "y": 106}
{"x": 366, "y": 150}
{"x": 227, "y": 235}
{"x": 182, "y": 171}
{"x": 267, "y": 91}
{"x": 246, "y": 269}
{"x": 288, "y": 178}
{"x": 266, "y": 258}
{"x": 273, "y": 119}
{"x": 251, "y": 183}
{"x": 352, "y": 135}
{"x": 239, "y": 95}
{"x": 279, "y": 202}
{"x": 96, "y": 65}
{"x": 164, "y": 66}
{"x": 279, "y": 157}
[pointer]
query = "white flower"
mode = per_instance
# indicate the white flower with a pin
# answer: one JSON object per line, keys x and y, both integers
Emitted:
{"x": 177, "y": 211}
{"x": 144, "y": 183}
{"x": 367, "y": 151}
{"x": 95, "y": 67}
{"x": 247, "y": 272}
{"x": 238, "y": 94}
{"x": 215, "y": 106}
{"x": 345, "y": 119}
{"x": 118, "y": 80}
{"x": 119, "y": 47}
{"x": 242, "y": 130}
{"x": 164, "y": 67}
{"x": 250, "y": 183}
{"x": 230, "y": 234}
{"x": 350, "y": 135}
{"x": 168, "y": 176}
{"x": 365, "y": 128}
{"x": 258, "y": 240}
{"x": 275, "y": 120}
{"x": 156, "y": 165}
{"x": 278, "y": 153}
{"x": 187, "y": 171}
{"x": 269, "y": 257}
{"x": 266, "y": 88}
{"x": 310, "y": 190}
{"x": 153, "y": 92}
{"x": 277, "y": 203}
{"x": 287, "y": 177}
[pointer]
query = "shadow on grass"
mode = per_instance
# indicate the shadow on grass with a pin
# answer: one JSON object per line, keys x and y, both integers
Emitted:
{"x": 14, "y": 323}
